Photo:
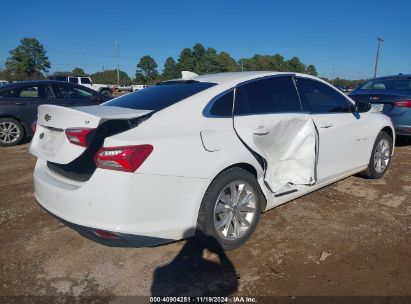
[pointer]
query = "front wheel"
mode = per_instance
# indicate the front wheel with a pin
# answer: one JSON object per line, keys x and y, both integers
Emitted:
{"x": 380, "y": 157}
{"x": 230, "y": 209}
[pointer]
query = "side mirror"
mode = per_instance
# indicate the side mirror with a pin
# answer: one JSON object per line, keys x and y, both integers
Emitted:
{"x": 362, "y": 107}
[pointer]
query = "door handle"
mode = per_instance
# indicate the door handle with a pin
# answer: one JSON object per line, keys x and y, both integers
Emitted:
{"x": 20, "y": 103}
{"x": 326, "y": 125}
{"x": 261, "y": 131}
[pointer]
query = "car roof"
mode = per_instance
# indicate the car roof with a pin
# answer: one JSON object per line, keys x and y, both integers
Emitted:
{"x": 30, "y": 82}
{"x": 237, "y": 77}
{"x": 398, "y": 76}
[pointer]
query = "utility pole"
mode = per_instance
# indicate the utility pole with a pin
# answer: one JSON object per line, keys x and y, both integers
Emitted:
{"x": 378, "y": 54}
{"x": 118, "y": 66}
{"x": 332, "y": 81}
{"x": 242, "y": 65}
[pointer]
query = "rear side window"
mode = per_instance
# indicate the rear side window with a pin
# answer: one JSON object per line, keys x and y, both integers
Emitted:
{"x": 73, "y": 79}
{"x": 160, "y": 96}
{"x": 269, "y": 95}
{"x": 223, "y": 105}
{"x": 320, "y": 98}
{"x": 42, "y": 91}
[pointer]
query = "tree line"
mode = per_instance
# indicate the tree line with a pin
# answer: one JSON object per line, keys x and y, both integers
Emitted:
{"x": 29, "y": 61}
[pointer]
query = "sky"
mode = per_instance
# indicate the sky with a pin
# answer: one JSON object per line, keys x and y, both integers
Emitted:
{"x": 338, "y": 37}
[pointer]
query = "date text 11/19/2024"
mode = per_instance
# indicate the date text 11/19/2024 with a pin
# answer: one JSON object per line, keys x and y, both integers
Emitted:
{"x": 236, "y": 299}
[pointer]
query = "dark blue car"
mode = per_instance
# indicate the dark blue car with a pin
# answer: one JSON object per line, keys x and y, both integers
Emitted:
{"x": 19, "y": 102}
{"x": 392, "y": 95}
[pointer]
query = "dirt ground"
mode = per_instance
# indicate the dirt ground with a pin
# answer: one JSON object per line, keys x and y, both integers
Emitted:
{"x": 349, "y": 239}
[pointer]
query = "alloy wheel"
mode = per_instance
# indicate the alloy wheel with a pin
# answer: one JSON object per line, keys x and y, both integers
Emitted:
{"x": 234, "y": 210}
{"x": 382, "y": 155}
{"x": 9, "y": 132}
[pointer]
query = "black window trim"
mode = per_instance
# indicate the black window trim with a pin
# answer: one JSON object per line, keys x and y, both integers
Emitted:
{"x": 206, "y": 110}
{"x": 304, "y": 104}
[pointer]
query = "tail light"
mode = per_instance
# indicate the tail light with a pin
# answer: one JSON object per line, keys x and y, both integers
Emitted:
{"x": 78, "y": 136}
{"x": 127, "y": 158}
{"x": 34, "y": 126}
{"x": 403, "y": 103}
{"x": 104, "y": 234}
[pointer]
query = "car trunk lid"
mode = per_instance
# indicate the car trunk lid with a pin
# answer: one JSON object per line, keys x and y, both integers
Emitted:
{"x": 50, "y": 141}
{"x": 385, "y": 98}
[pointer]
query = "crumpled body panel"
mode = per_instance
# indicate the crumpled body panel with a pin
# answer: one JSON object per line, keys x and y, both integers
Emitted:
{"x": 288, "y": 144}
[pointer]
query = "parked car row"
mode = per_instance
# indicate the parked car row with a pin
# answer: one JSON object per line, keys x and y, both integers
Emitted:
{"x": 201, "y": 155}
{"x": 392, "y": 96}
{"x": 103, "y": 89}
{"x": 19, "y": 102}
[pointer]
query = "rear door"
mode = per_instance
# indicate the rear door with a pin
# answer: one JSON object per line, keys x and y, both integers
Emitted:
{"x": 28, "y": 98}
{"x": 70, "y": 95}
{"x": 343, "y": 135}
{"x": 268, "y": 118}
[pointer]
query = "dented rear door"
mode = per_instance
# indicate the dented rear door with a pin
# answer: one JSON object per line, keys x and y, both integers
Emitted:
{"x": 268, "y": 119}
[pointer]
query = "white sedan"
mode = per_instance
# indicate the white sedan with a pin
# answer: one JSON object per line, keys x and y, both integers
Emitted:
{"x": 201, "y": 155}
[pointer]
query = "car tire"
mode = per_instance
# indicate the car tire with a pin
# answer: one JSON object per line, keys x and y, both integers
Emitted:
{"x": 227, "y": 219}
{"x": 105, "y": 93}
{"x": 380, "y": 157}
{"x": 11, "y": 132}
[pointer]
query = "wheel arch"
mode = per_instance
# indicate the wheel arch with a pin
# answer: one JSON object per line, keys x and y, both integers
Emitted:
{"x": 249, "y": 168}
{"x": 25, "y": 127}
{"x": 390, "y": 131}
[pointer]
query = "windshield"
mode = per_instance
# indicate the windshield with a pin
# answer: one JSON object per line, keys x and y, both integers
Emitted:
{"x": 160, "y": 96}
{"x": 387, "y": 84}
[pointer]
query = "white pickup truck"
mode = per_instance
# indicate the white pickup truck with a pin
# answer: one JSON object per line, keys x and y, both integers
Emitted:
{"x": 87, "y": 82}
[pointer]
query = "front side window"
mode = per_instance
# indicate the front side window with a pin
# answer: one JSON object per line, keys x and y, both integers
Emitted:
{"x": 161, "y": 95}
{"x": 73, "y": 92}
{"x": 268, "y": 95}
{"x": 320, "y": 98}
{"x": 85, "y": 80}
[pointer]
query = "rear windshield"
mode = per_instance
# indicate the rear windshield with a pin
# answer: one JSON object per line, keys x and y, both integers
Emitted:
{"x": 387, "y": 84}
{"x": 160, "y": 96}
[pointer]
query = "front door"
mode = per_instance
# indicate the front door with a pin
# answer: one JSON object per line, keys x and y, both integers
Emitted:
{"x": 343, "y": 145}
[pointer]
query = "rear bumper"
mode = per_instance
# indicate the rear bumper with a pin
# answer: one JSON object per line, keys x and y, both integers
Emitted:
{"x": 142, "y": 209}
{"x": 120, "y": 239}
{"x": 401, "y": 119}
{"x": 403, "y": 130}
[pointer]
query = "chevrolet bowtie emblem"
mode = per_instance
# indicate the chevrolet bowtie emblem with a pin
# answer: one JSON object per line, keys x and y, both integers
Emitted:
{"x": 374, "y": 98}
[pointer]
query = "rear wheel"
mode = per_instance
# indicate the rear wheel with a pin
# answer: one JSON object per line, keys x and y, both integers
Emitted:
{"x": 230, "y": 209}
{"x": 106, "y": 93}
{"x": 380, "y": 157}
{"x": 11, "y": 132}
